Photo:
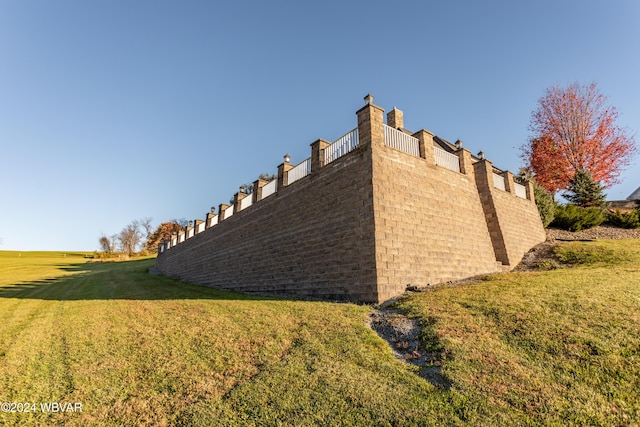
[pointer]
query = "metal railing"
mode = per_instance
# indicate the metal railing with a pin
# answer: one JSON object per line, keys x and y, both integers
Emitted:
{"x": 521, "y": 190}
{"x": 246, "y": 202}
{"x": 498, "y": 182}
{"x": 446, "y": 160}
{"x": 270, "y": 188}
{"x": 401, "y": 141}
{"x": 341, "y": 146}
{"x": 300, "y": 171}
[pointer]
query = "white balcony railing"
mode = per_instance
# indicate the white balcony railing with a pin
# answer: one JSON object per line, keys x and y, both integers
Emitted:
{"x": 300, "y": 171}
{"x": 498, "y": 181}
{"x": 199, "y": 228}
{"x": 246, "y": 202}
{"x": 401, "y": 141}
{"x": 228, "y": 212}
{"x": 521, "y": 190}
{"x": 341, "y": 146}
{"x": 446, "y": 160}
{"x": 213, "y": 221}
{"x": 270, "y": 188}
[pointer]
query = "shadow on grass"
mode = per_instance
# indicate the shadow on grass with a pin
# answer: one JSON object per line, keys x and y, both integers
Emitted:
{"x": 124, "y": 280}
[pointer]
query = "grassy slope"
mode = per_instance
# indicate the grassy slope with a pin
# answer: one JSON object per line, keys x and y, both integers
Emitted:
{"x": 559, "y": 347}
{"x": 554, "y": 347}
{"x": 138, "y": 349}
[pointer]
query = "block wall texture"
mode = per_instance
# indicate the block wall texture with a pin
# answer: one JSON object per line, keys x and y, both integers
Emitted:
{"x": 520, "y": 224}
{"x": 514, "y": 223}
{"x": 314, "y": 238}
{"x": 430, "y": 225}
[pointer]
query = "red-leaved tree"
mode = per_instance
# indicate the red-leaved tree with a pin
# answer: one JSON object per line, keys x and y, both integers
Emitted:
{"x": 574, "y": 130}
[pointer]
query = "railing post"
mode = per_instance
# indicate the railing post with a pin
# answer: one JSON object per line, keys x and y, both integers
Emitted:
{"x": 257, "y": 189}
{"x": 530, "y": 191}
{"x": 237, "y": 198}
{"x": 317, "y": 153}
{"x": 395, "y": 119}
{"x": 370, "y": 123}
{"x": 425, "y": 142}
{"x": 189, "y": 231}
{"x": 221, "y": 209}
{"x": 508, "y": 182}
{"x": 464, "y": 156}
{"x": 209, "y": 217}
{"x": 283, "y": 169}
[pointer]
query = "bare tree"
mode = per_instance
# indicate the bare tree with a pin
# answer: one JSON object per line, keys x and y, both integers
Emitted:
{"x": 145, "y": 223}
{"x": 108, "y": 244}
{"x": 130, "y": 237}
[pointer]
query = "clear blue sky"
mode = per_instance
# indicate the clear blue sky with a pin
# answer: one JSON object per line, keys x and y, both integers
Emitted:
{"x": 116, "y": 110}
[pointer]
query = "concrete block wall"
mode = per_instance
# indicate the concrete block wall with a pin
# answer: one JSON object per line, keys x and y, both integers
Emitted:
{"x": 514, "y": 223}
{"x": 365, "y": 226}
{"x": 314, "y": 238}
{"x": 430, "y": 225}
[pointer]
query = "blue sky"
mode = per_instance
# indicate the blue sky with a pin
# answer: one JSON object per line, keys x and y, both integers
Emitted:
{"x": 116, "y": 110}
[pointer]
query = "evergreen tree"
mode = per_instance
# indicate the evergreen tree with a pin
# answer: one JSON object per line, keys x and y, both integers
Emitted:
{"x": 584, "y": 191}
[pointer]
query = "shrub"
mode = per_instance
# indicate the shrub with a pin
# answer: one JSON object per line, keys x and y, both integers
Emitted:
{"x": 620, "y": 219}
{"x": 544, "y": 199}
{"x": 546, "y": 205}
{"x": 593, "y": 253}
{"x": 575, "y": 218}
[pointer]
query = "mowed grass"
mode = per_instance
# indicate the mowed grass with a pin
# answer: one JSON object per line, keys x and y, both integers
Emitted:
{"x": 137, "y": 349}
{"x": 559, "y": 347}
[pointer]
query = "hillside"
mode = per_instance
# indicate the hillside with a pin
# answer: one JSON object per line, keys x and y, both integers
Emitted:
{"x": 560, "y": 346}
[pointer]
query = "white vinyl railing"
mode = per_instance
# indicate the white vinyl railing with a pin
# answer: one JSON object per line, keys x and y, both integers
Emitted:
{"x": 228, "y": 212}
{"x": 521, "y": 190}
{"x": 401, "y": 141}
{"x": 341, "y": 146}
{"x": 200, "y": 228}
{"x": 446, "y": 160}
{"x": 498, "y": 181}
{"x": 246, "y": 202}
{"x": 213, "y": 221}
{"x": 300, "y": 171}
{"x": 190, "y": 233}
{"x": 270, "y": 188}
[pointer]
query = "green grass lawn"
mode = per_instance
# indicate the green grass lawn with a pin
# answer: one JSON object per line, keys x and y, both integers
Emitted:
{"x": 557, "y": 347}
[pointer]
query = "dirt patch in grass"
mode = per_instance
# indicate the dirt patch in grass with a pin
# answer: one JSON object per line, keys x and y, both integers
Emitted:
{"x": 404, "y": 336}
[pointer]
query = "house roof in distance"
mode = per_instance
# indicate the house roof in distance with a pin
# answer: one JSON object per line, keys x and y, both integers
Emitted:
{"x": 635, "y": 195}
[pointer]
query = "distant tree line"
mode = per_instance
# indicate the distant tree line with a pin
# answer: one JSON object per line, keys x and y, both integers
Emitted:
{"x": 139, "y": 237}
